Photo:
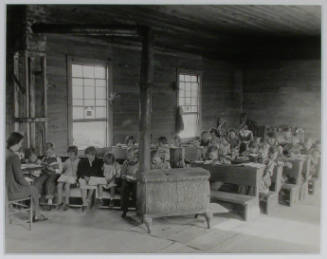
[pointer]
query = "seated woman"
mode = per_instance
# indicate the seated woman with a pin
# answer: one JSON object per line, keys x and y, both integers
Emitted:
{"x": 68, "y": 177}
{"x": 16, "y": 185}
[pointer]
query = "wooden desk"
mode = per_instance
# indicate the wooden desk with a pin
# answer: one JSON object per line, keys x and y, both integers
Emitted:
{"x": 236, "y": 174}
{"x": 239, "y": 175}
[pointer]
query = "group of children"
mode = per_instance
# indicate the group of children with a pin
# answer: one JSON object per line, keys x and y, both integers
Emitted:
{"x": 90, "y": 173}
{"x": 217, "y": 145}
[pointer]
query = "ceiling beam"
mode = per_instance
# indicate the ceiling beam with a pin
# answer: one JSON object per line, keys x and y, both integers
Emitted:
{"x": 90, "y": 30}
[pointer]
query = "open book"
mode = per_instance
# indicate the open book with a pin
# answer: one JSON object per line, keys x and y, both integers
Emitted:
{"x": 97, "y": 180}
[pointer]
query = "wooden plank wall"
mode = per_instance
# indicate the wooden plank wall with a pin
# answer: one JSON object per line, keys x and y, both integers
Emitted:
{"x": 284, "y": 92}
{"x": 218, "y": 95}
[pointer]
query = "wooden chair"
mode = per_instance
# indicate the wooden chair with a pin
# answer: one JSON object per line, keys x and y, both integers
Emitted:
{"x": 18, "y": 206}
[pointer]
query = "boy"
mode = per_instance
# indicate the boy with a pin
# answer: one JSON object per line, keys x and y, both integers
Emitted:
{"x": 128, "y": 174}
{"x": 50, "y": 173}
{"x": 88, "y": 167}
{"x": 68, "y": 177}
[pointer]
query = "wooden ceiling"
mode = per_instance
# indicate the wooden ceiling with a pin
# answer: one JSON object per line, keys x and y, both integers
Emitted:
{"x": 209, "y": 30}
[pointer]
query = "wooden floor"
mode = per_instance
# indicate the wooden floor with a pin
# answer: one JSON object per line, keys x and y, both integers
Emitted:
{"x": 287, "y": 230}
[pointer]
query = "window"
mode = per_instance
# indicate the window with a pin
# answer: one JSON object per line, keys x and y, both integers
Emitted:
{"x": 188, "y": 99}
{"x": 89, "y": 111}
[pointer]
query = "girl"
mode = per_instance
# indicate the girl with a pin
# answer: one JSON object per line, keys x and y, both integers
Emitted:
{"x": 163, "y": 148}
{"x": 270, "y": 164}
{"x": 68, "y": 177}
{"x": 158, "y": 162}
{"x": 111, "y": 171}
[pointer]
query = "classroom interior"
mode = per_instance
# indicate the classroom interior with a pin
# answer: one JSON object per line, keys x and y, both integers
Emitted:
{"x": 92, "y": 75}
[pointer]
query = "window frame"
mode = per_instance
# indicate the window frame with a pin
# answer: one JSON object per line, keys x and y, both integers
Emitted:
{"x": 109, "y": 83}
{"x": 199, "y": 74}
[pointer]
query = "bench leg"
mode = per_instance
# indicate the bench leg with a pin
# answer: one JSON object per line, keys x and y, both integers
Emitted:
{"x": 148, "y": 222}
{"x": 208, "y": 217}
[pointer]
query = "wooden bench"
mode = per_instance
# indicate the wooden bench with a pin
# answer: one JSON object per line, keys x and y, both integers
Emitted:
{"x": 292, "y": 189}
{"x": 238, "y": 175}
{"x": 270, "y": 201}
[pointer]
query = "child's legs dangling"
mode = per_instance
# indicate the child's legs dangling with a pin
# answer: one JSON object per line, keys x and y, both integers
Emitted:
{"x": 59, "y": 192}
{"x": 67, "y": 193}
{"x": 50, "y": 186}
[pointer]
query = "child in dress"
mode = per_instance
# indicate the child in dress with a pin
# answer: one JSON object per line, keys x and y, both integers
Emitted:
{"x": 224, "y": 151}
{"x": 129, "y": 183}
{"x": 158, "y": 162}
{"x": 163, "y": 148}
{"x": 215, "y": 137}
{"x": 111, "y": 172}
{"x": 50, "y": 174}
{"x": 270, "y": 164}
{"x": 68, "y": 177}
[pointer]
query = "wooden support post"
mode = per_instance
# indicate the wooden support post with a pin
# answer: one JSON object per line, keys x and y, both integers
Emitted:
{"x": 146, "y": 78}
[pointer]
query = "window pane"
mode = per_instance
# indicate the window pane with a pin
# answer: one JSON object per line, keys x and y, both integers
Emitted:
{"x": 78, "y": 102}
{"x": 88, "y": 102}
{"x": 89, "y": 82}
{"x": 77, "y": 82}
{"x": 101, "y": 112}
{"x": 77, "y": 92}
{"x": 190, "y": 126}
{"x": 89, "y": 134}
{"x": 181, "y": 77}
{"x": 77, "y": 71}
{"x": 89, "y": 92}
{"x": 100, "y": 72}
{"x": 193, "y": 101}
{"x": 78, "y": 112}
{"x": 101, "y": 92}
{"x": 100, "y": 83}
{"x": 88, "y": 71}
{"x": 101, "y": 102}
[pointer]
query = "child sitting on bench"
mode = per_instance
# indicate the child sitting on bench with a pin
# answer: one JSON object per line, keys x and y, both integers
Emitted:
{"x": 50, "y": 173}
{"x": 128, "y": 175}
{"x": 111, "y": 171}
{"x": 158, "y": 162}
{"x": 68, "y": 177}
{"x": 88, "y": 167}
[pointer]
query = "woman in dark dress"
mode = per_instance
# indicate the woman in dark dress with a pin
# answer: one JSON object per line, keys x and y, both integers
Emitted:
{"x": 17, "y": 186}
